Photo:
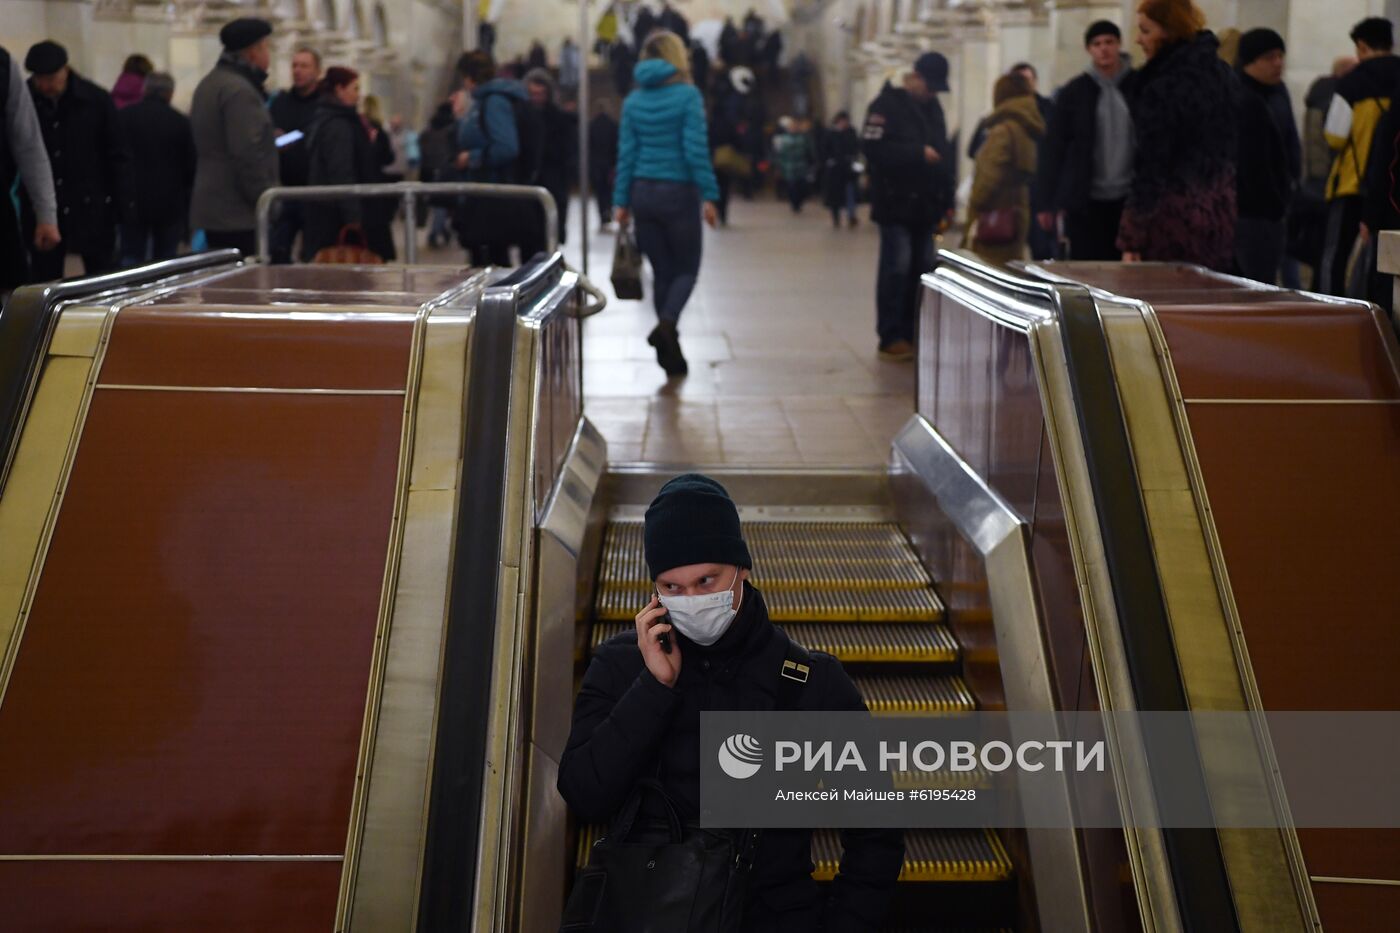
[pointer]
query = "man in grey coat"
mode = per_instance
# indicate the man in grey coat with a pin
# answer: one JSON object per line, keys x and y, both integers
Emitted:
{"x": 234, "y": 138}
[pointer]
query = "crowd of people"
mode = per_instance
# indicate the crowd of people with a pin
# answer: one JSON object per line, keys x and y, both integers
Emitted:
{"x": 1193, "y": 157}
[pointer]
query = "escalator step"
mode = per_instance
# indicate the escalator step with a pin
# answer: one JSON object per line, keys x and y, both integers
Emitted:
{"x": 933, "y": 644}
{"x": 808, "y": 571}
{"x": 963, "y": 855}
{"x": 929, "y": 855}
{"x": 622, "y": 602}
{"x": 904, "y": 694}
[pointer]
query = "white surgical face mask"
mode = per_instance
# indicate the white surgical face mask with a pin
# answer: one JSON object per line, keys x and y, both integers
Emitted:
{"x": 704, "y": 618}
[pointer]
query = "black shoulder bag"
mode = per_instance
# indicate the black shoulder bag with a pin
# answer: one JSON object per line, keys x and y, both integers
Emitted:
{"x": 683, "y": 879}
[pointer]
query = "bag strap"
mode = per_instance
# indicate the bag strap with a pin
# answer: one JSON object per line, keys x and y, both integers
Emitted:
{"x": 793, "y": 675}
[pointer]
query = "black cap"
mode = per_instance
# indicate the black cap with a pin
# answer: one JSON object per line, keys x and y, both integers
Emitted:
{"x": 933, "y": 68}
{"x": 240, "y": 33}
{"x": 1258, "y": 42}
{"x": 1103, "y": 27}
{"x": 1376, "y": 32}
{"x": 45, "y": 58}
{"x": 692, "y": 520}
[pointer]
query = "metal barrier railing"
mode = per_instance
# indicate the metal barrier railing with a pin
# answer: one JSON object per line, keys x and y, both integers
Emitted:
{"x": 409, "y": 192}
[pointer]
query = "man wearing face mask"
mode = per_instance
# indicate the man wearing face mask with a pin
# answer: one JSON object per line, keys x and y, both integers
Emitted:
{"x": 638, "y": 712}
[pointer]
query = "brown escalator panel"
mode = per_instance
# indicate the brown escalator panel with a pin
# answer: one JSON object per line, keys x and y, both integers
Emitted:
{"x": 857, "y": 590}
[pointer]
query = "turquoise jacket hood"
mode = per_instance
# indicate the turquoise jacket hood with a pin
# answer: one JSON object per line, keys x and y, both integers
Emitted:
{"x": 653, "y": 72}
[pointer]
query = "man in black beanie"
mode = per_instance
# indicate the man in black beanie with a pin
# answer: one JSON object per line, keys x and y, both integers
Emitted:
{"x": 234, "y": 138}
{"x": 705, "y": 642}
{"x": 1270, "y": 156}
{"x": 1086, "y": 157}
{"x": 90, "y": 161}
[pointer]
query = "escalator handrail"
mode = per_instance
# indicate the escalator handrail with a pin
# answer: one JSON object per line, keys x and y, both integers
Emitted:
{"x": 1196, "y": 861}
{"x": 28, "y": 317}
{"x": 448, "y": 887}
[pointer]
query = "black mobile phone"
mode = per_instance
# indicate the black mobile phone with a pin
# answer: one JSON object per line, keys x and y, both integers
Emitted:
{"x": 664, "y": 639}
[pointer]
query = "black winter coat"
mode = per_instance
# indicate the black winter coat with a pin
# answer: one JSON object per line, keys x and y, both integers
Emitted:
{"x": 1066, "y": 171}
{"x": 1182, "y": 204}
{"x": 626, "y": 723}
{"x": 1264, "y": 181}
{"x": 91, "y": 164}
{"x": 905, "y": 189}
{"x": 840, "y": 148}
{"x": 559, "y": 155}
{"x": 293, "y": 111}
{"x": 340, "y": 154}
{"x": 163, "y": 160}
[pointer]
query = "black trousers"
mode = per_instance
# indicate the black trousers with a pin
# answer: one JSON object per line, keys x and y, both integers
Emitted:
{"x": 245, "y": 241}
{"x": 1343, "y": 224}
{"x": 1093, "y": 231}
{"x": 46, "y": 266}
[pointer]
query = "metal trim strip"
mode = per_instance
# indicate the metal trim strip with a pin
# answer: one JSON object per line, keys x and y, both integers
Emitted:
{"x": 388, "y": 591}
{"x": 990, "y": 525}
{"x": 264, "y": 390}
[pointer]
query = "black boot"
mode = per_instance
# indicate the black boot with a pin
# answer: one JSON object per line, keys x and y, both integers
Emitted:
{"x": 668, "y": 349}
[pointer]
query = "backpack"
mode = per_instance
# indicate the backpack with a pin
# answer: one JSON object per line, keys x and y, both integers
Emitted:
{"x": 529, "y": 131}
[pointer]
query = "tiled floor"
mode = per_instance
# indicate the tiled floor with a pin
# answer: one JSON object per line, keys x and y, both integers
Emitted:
{"x": 780, "y": 336}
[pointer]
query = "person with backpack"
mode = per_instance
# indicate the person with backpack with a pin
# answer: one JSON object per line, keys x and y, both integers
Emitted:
{"x": 1362, "y": 98}
{"x": 499, "y": 141}
{"x": 705, "y": 642}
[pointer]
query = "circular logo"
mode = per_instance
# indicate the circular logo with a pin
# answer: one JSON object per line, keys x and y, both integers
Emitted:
{"x": 741, "y": 756}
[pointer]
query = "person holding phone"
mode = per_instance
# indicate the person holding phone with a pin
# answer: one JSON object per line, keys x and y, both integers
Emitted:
{"x": 704, "y": 641}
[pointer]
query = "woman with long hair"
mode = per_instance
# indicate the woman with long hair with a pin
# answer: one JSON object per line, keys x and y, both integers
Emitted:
{"x": 1182, "y": 204}
{"x": 665, "y": 180}
{"x": 339, "y": 153}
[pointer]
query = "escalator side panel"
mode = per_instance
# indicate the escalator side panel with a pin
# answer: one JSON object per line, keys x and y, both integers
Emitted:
{"x": 1295, "y": 456}
{"x": 168, "y": 897}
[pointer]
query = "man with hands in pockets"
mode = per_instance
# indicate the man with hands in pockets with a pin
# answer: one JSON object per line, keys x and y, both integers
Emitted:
{"x": 637, "y": 714}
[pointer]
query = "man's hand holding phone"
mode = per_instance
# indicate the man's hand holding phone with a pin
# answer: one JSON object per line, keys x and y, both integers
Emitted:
{"x": 655, "y": 638}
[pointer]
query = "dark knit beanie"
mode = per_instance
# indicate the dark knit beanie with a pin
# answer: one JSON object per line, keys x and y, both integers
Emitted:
{"x": 240, "y": 33}
{"x": 45, "y": 58}
{"x": 1103, "y": 27}
{"x": 1258, "y": 42}
{"x": 692, "y": 520}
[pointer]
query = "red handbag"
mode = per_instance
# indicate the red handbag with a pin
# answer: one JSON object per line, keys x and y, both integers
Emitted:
{"x": 997, "y": 227}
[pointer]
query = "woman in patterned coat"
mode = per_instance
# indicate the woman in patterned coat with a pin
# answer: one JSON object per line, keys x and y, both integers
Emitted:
{"x": 1182, "y": 204}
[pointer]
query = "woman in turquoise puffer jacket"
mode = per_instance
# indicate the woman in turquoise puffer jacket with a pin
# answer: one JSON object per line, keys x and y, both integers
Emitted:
{"x": 663, "y": 178}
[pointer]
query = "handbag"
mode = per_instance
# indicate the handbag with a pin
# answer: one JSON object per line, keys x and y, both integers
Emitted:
{"x": 627, "y": 267}
{"x": 672, "y": 878}
{"x": 997, "y": 227}
{"x": 345, "y": 253}
{"x": 730, "y": 161}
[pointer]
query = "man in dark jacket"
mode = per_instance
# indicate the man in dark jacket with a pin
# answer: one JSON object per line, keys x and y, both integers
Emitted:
{"x": 559, "y": 147}
{"x": 163, "y": 160}
{"x": 90, "y": 161}
{"x": 602, "y": 158}
{"x": 911, "y": 179}
{"x": 235, "y": 138}
{"x": 1086, "y": 159}
{"x": 22, "y": 153}
{"x": 1270, "y": 156}
{"x": 292, "y": 110}
{"x": 638, "y": 711}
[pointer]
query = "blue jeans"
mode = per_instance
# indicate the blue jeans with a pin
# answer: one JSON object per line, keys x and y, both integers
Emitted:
{"x": 667, "y": 216}
{"x": 290, "y": 221}
{"x": 906, "y": 253}
{"x": 143, "y": 243}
